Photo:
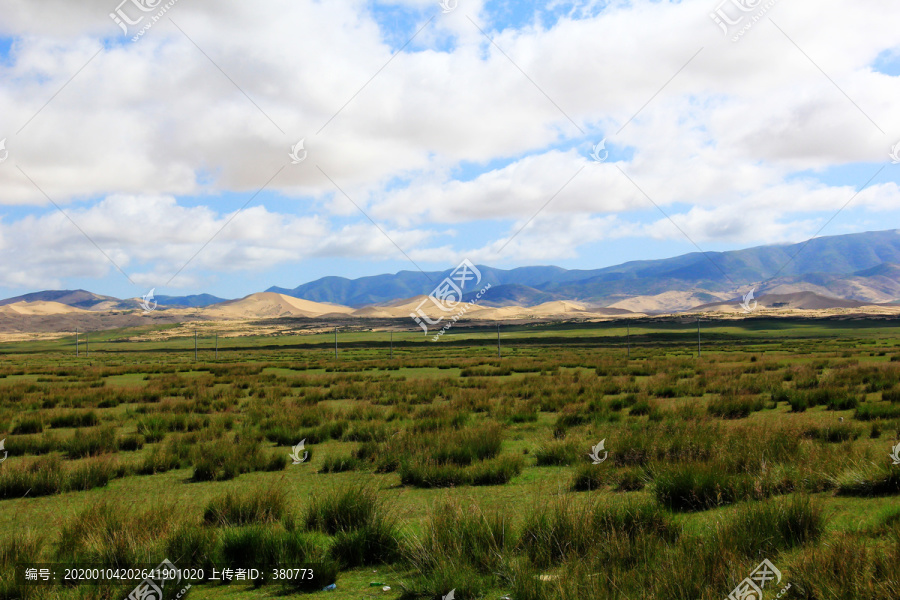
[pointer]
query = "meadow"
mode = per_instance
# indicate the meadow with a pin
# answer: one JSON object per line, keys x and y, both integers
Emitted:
{"x": 439, "y": 467}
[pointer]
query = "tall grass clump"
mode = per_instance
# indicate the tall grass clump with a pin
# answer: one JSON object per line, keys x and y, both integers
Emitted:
{"x": 266, "y": 547}
{"x": 221, "y": 460}
{"x": 364, "y": 532}
{"x": 762, "y": 529}
{"x": 257, "y": 506}
{"x": 47, "y": 476}
{"x": 695, "y": 487}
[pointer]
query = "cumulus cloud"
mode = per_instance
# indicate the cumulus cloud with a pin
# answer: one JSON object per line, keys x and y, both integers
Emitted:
{"x": 436, "y": 135}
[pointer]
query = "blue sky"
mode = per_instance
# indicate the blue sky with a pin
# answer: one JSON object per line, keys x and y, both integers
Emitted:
{"x": 450, "y": 146}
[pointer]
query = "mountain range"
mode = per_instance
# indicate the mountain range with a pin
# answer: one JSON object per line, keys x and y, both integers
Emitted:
{"x": 862, "y": 268}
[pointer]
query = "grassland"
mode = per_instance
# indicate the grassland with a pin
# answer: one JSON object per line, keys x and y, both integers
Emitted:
{"x": 448, "y": 468}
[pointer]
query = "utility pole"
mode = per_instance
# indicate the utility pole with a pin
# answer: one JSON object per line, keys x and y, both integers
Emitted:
{"x": 699, "y": 353}
{"x": 76, "y": 342}
{"x": 335, "y": 343}
{"x": 498, "y": 340}
{"x": 195, "y": 345}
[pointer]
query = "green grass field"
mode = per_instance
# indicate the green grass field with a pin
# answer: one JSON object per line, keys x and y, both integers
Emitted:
{"x": 448, "y": 468}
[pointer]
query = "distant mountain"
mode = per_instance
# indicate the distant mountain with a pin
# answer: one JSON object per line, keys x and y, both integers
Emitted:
{"x": 195, "y": 301}
{"x": 862, "y": 266}
{"x": 89, "y": 301}
{"x": 379, "y": 289}
{"x": 75, "y": 298}
{"x": 513, "y": 294}
{"x": 796, "y": 301}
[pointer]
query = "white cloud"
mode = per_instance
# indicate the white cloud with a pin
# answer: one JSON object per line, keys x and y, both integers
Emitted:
{"x": 718, "y": 146}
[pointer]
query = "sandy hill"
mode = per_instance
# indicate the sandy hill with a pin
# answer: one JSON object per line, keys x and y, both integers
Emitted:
{"x": 795, "y": 301}
{"x": 271, "y": 305}
{"x": 668, "y": 302}
{"x": 403, "y": 308}
{"x": 38, "y": 308}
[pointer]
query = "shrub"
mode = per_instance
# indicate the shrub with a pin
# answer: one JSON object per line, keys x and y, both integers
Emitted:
{"x": 696, "y": 487}
{"x": 373, "y": 543}
{"x": 632, "y": 480}
{"x": 773, "y": 526}
{"x": 590, "y": 477}
{"x": 832, "y": 433}
{"x": 268, "y": 547}
{"x": 461, "y": 538}
{"x": 221, "y": 460}
{"x": 869, "y": 411}
{"x": 75, "y": 419}
{"x": 46, "y": 476}
{"x": 643, "y": 407}
{"x": 884, "y": 482}
{"x": 191, "y": 546}
{"x": 130, "y": 443}
{"x": 558, "y": 453}
{"x": 92, "y": 442}
{"x": 497, "y": 471}
{"x": 27, "y": 426}
{"x": 734, "y": 407}
{"x": 340, "y": 464}
{"x": 258, "y": 506}
{"x": 431, "y": 474}
{"x": 344, "y": 509}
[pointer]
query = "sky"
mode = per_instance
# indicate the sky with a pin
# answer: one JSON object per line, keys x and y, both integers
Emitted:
{"x": 164, "y": 150}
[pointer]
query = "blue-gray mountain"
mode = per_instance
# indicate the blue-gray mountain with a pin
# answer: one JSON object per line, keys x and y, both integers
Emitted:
{"x": 862, "y": 266}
